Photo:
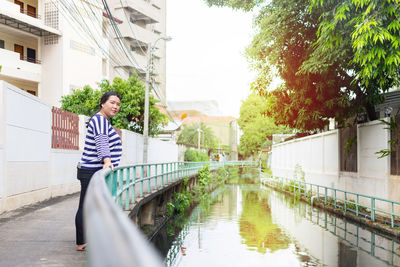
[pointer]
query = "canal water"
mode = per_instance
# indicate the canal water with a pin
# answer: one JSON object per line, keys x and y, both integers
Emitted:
{"x": 251, "y": 225}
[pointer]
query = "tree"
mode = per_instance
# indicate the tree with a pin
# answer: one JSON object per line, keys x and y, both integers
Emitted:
{"x": 317, "y": 84}
{"x": 189, "y": 136}
{"x": 256, "y": 127}
{"x": 131, "y": 116}
{"x": 374, "y": 34}
{"x": 285, "y": 33}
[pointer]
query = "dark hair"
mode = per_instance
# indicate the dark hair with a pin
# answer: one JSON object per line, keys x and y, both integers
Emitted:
{"x": 103, "y": 100}
{"x": 106, "y": 96}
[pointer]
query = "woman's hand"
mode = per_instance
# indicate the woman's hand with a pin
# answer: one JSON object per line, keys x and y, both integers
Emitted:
{"x": 108, "y": 164}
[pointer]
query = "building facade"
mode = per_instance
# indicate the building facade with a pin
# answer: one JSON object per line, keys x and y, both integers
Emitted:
{"x": 143, "y": 24}
{"x": 50, "y": 47}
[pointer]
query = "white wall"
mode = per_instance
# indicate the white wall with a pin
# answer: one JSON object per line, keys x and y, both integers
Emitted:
{"x": 1, "y": 173}
{"x": 132, "y": 148}
{"x": 318, "y": 156}
{"x": 162, "y": 151}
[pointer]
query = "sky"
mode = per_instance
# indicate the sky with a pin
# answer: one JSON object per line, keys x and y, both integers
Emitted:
{"x": 205, "y": 58}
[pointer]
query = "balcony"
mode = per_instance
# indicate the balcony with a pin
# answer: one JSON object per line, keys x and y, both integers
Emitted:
{"x": 141, "y": 10}
{"x": 139, "y": 64}
{"x": 13, "y": 16}
{"x": 14, "y": 67}
{"x": 140, "y": 35}
{"x": 156, "y": 3}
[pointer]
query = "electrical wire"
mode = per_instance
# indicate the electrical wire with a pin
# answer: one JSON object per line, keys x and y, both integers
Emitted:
{"x": 68, "y": 15}
{"x": 119, "y": 35}
{"x": 69, "y": 11}
{"x": 133, "y": 33}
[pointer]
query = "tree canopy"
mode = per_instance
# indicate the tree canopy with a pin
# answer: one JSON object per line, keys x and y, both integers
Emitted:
{"x": 374, "y": 35}
{"x": 321, "y": 50}
{"x": 131, "y": 116}
{"x": 256, "y": 127}
{"x": 189, "y": 136}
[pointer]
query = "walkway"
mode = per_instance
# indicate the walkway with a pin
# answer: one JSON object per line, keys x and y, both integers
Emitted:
{"x": 41, "y": 235}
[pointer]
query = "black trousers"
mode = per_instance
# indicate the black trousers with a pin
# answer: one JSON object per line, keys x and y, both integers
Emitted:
{"x": 84, "y": 177}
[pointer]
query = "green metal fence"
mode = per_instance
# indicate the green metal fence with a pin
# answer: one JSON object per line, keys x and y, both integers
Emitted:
{"x": 128, "y": 183}
{"x": 359, "y": 204}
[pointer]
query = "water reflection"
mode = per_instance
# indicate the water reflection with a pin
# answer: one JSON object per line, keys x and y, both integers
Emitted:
{"x": 256, "y": 226}
{"x": 252, "y": 226}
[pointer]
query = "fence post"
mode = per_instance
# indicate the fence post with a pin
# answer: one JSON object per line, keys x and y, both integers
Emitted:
{"x": 141, "y": 180}
{"x": 133, "y": 184}
{"x": 155, "y": 175}
{"x": 148, "y": 178}
{"x": 372, "y": 209}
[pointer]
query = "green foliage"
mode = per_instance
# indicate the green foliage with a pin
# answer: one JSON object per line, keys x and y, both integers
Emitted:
{"x": 195, "y": 156}
{"x": 189, "y": 136}
{"x": 335, "y": 61}
{"x": 170, "y": 209}
{"x": 392, "y": 126}
{"x": 131, "y": 116}
{"x": 349, "y": 143}
{"x": 373, "y": 31}
{"x": 204, "y": 177}
{"x": 233, "y": 175}
{"x": 83, "y": 101}
{"x": 256, "y": 127}
{"x": 182, "y": 201}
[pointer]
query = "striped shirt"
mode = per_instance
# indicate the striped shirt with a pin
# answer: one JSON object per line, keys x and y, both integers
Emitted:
{"x": 102, "y": 141}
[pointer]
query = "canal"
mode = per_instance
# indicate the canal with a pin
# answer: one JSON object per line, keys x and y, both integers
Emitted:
{"x": 251, "y": 225}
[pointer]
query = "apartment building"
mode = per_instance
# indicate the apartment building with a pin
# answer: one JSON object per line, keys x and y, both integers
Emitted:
{"x": 143, "y": 24}
{"x": 49, "y": 47}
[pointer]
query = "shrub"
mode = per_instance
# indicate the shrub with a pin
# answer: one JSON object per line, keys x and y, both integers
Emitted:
{"x": 194, "y": 156}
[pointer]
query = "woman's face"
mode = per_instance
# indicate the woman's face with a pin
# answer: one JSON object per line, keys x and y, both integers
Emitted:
{"x": 111, "y": 107}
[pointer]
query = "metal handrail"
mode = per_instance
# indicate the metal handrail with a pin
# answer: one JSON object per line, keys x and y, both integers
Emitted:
{"x": 350, "y": 198}
{"x": 354, "y": 239}
{"x": 123, "y": 180}
{"x": 113, "y": 239}
{"x": 31, "y": 14}
{"x": 31, "y": 60}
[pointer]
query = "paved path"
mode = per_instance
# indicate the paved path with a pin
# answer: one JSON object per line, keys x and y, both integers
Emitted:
{"x": 41, "y": 235}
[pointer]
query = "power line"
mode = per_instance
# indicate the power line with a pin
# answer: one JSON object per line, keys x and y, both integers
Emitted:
{"x": 68, "y": 15}
{"x": 133, "y": 33}
{"x": 95, "y": 36}
{"x": 118, "y": 34}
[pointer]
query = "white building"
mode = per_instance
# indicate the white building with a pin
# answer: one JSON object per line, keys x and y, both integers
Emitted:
{"x": 49, "y": 47}
{"x": 143, "y": 24}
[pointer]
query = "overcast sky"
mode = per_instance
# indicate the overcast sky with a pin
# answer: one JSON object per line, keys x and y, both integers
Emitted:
{"x": 205, "y": 58}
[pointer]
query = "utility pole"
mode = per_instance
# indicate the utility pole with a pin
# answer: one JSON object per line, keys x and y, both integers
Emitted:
{"x": 146, "y": 105}
{"x": 146, "y": 98}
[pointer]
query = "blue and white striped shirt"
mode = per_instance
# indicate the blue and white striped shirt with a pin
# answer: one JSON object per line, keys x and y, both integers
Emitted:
{"x": 102, "y": 141}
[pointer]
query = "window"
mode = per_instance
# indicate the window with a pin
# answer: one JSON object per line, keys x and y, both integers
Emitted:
{"x": 21, "y": 5}
{"x": 31, "y": 55}
{"x": 133, "y": 49}
{"x": 132, "y": 20}
{"x": 31, "y": 92}
{"x": 31, "y": 11}
{"x": 2, "y": 44}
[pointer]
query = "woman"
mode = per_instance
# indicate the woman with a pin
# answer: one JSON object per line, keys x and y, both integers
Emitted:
{"x": 103, "y": 149}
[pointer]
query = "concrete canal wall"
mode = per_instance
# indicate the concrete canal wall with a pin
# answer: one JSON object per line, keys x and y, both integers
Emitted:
{"x": 327, "y": 237}
{"x": 318, "y": 156}
{"x": 32, "y": 171}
